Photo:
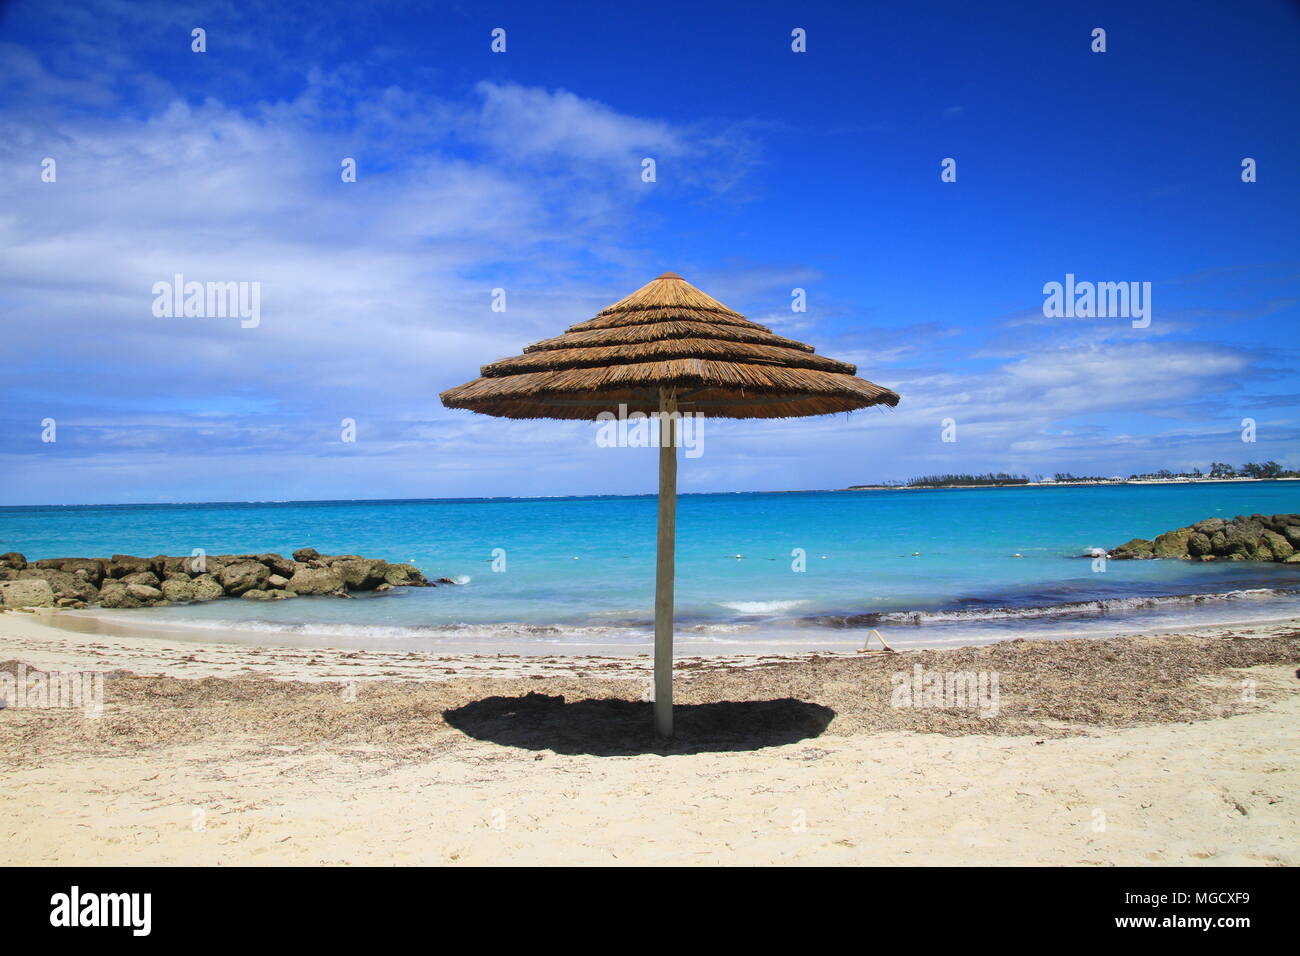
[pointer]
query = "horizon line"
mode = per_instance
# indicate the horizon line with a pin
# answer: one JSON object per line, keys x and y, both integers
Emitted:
{"x": 783, "y": 491}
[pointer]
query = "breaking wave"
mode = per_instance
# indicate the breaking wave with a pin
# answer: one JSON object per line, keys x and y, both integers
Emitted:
{"x": 761, "y": 607}
{"x": 1095, "y": 608}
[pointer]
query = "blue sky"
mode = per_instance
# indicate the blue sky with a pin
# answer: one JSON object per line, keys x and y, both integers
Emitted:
{"x": 521, "y": 170}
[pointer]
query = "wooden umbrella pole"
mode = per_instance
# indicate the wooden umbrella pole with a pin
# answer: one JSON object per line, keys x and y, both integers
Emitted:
{"x": 664, "y": 564}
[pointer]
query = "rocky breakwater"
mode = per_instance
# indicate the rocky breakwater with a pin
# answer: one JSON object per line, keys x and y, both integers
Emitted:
{"x": 1244, "y": 538}
{"x": 126, "y": 581}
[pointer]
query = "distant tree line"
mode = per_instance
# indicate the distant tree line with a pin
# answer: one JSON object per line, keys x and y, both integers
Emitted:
{"x": 990, "y": 478}
{"x": 1218, "y": 469}
{"x": 1266, "y": 469}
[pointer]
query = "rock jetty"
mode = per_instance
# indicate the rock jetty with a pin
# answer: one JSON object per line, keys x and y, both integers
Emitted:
{"x": 1244, "y": 538}
{"x": 126, "y": 581}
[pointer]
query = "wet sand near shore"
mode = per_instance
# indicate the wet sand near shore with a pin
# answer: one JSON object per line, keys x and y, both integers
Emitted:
{"x": 1176, "y": 748}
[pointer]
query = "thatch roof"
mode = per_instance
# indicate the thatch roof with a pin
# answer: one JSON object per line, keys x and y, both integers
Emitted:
{"x": 667, "y": 334}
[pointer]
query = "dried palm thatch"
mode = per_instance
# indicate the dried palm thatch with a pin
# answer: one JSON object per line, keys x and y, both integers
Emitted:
{"x": 668, "y": 335}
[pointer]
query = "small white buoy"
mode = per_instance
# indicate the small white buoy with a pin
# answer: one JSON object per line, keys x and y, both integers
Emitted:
{"x": 1017, "y": 555}
{"x": 739, "y": 557}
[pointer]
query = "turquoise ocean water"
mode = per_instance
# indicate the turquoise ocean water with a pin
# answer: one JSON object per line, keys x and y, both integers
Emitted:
{"x": 923, "y": 567}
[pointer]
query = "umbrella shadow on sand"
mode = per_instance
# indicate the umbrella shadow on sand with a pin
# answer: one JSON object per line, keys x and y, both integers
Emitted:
{"x": 611, "y": 728}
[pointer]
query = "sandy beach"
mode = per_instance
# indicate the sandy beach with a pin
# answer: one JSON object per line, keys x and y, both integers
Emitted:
{"x": 1163, "y": 749}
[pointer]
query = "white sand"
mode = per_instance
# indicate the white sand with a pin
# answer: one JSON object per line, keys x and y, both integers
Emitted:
{"x": 1220, "y": 792}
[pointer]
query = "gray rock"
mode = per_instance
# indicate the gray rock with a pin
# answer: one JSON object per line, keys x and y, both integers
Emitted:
{"x": 178, "y": 589}
{"x": 1135, "y": 548}
{"x": 1244, "y": 538}
{"x": 315, "y": 581}
{"x": 278, "y": 565}
{"x": 144, "y": 593}
{"x": 1236, "y": 540}
{"x": 243, "y": 576}
{"x": 361, "y": 574}
{"x": 207, "y": 588}
{"x": 32, "y": 592}
{"x": 1172, "y": 544}
{"x": 92, "y": 569}
{"x": 178, "y": 565}
{"x": 126, "y": 580}
{"x": 1198, "y": 544}
{"x": 114, "y": 595}
{"x": 120, "y": 565}
{"x": 63, "y": 583}
{"x": 405, "y": 575}
{"x": 257, "y": 594}
{"x": 1278, "y": 545}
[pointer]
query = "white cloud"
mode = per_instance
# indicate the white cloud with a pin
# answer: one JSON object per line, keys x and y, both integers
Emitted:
{"x": 526, "y": 123}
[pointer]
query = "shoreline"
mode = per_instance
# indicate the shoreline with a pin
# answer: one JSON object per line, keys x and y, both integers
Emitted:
{"x": 43, "y": 638}
{"x": 746, "y": 635}
{"x": 236, "y": 755}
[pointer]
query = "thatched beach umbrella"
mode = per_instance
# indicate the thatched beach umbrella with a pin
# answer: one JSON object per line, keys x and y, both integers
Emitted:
{"x": 667, "y": 349}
